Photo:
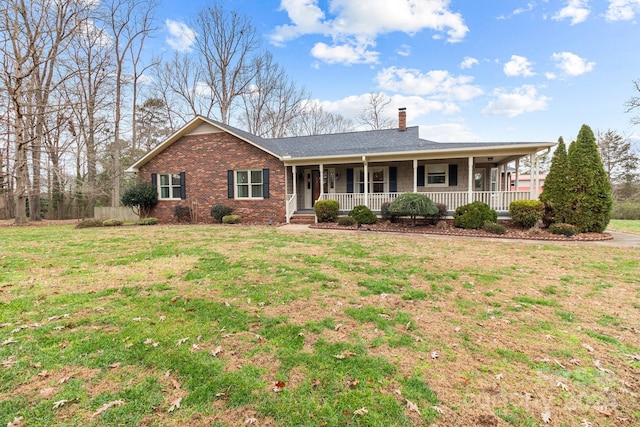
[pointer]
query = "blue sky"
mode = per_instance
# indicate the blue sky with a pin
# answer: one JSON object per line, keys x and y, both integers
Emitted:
{"x": 468, "y": 70}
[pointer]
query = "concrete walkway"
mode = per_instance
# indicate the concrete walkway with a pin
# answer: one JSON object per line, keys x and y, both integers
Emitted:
{"x": 622, "y": 240}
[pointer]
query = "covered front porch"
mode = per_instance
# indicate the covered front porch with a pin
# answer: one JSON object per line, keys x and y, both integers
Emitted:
{"x": 453, "y": 182}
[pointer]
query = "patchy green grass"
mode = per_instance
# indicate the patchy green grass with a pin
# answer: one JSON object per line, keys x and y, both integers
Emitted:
{"x": 222, "y": 326}
{"x": 624, "y": 225}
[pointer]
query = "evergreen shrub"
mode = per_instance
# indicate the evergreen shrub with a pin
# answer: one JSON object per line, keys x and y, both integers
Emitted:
{"x": 363, "y": 215}
{"x": 326, "y": 210}
{"x": 474, "y": 215}
{"x": 526, "y": 213}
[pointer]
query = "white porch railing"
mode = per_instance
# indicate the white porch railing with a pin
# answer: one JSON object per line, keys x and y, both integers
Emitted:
{"x": 292, "y": 205}
{"x": 498, "y": 200}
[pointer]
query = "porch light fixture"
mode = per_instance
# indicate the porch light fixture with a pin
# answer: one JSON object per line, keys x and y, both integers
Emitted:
{"x": 490, "y": 159}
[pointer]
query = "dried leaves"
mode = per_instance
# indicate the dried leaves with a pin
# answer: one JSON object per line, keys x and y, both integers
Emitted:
{"x": 106, "y": 407}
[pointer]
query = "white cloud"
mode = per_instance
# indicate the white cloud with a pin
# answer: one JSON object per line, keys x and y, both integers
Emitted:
{"x": 524, "y": 99}
{"x": 622, "y": 10}
{"x": 576, "y": 10}
{"x": 448, "y": 132}
{"x": 344, "y": 54}
{"x": 571, "y": 64}
{"x": 438, "y": 84}
{"x": 468, "y": 62}
{"x": 181, "y": 36}
{"x": 357, "y": 23}
{"x": 404, "y": 50}
{"x": 529, "y": 8}
{"x": 518, "y": 66}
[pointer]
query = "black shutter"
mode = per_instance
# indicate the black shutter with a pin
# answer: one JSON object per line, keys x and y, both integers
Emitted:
{"x": 393, "y": 179}
{"x": 183, "y": 186}
{"x": 453, "y": 175}
{"x": 230, "y": 191}
{"x": 265, "y": 183}
{"x": 154, "y": 180}
{"x": 421, "y": 176}
{"x": 350, "y": 180}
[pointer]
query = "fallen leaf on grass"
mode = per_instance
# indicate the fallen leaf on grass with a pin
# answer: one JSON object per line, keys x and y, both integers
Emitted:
{"x": 499, "y": 376}
{"x": 586, "y": 423}
{"x": 278, "y": 386}
{"x": 601, "y": 368}
{"x": 588, "y": 347}
{"x": 181, "y": 341}
{"x": 413, "y": 407}
{"x": 634, "y": 356}
{"x": 44, "y": 374}
{"x": 106, "y": 407}
{"x": 603, "y": 410}
{"x": 175, "y": 404}
{"x": 162, "y": 318}
{"x": 11, "y": 360}
{"x": 216, "y": 351}
{"x": 17, "y": 422}
{"x": 137, "y": 319}
{"x": 546, "y": 417}
{"x": 435, "y": 355}
{"x": 361, "y": 411}
{"x": 115, "y": 365}
{"x": 438, "y": 409}
{"x": 344, "y": 355}
{"x": 250, "y": 421}
{"x": 60, "y": 403}
{"x": 562, "y": 385}
{"x": 9, "y": 341}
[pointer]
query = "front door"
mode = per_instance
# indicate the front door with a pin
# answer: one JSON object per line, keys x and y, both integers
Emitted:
{"x": 315, "y": 185}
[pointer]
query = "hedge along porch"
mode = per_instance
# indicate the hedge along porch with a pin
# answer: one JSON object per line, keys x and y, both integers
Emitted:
{"x": 269, "y": 180}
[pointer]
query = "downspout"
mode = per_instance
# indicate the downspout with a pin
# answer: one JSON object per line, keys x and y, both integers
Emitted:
{"x": 366, "y": 181}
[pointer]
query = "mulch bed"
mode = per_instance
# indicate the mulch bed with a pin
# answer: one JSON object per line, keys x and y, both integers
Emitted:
{"x": 512, "y": 232}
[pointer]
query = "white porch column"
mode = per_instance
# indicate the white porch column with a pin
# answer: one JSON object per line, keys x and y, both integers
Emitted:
{"x": 532, "y": 160}
{"x": 470, "y": 181}
{"x": 321, "y": 180}
{"x": 294, "y": 172}
{"x": 517, "y": 175}
{"x": 506, "y": 177}
{"x": 366, "y": 181}
{"x": 415, "y": 175}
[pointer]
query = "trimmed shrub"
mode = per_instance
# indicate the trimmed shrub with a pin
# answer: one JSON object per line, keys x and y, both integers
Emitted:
{"x": 494, "y": 228}
{"x": 231, "y": 219}
{"x": 554, "y": 196}
{"x": 141, "y": 198}
{"x": 436, "y": 218}
{"x": 147, "y": 221}
{"x": 219, "y": 211}
{"x": 474, "y": 215}
{"x": 112, "y": 222}
{"x": 626, "y": 210}
{"x": 413, "y": 205}
{"x": 182, "y": 213}
{"x": 88, "y": 223}
{"x": 326, "y": 210}
{"x": 346, "y": 221}
{"x": 561, "y": 228}
{"x": 363, "y": 215}
{"x": 588, "y": 187}
{"x": 526, "y": 213}
{"x": 386, "y": 214}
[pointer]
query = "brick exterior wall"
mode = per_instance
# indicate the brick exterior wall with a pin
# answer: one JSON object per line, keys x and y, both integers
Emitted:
{"x": 205, "y": 159}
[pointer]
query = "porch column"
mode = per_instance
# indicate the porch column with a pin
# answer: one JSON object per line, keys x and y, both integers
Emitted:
{"x": 506, "y": 177}
{"x": 470, "y": 182}
{"x": 321, "y": 180}
{"x": 366, "y": 181}
{"x": 532, "y": 160}
{"x": 415, "y": 175}
{"x": 517, "y": 187}
{"x": 294, "y": 172}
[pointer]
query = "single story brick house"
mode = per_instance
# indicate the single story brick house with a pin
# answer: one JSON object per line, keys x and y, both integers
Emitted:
{"x": 271, "y": 180}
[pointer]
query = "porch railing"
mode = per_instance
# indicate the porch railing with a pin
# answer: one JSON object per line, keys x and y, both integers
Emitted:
{"x": 498, "y": 200}
{"x": 292, "y": 204}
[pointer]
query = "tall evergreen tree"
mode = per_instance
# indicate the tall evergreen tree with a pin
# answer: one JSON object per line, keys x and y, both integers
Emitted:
{"x": 554, "y": 195}
{"x": 588, "y": 187}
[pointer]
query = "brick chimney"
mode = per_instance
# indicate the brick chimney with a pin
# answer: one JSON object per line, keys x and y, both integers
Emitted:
{"x": 402, "y": 119}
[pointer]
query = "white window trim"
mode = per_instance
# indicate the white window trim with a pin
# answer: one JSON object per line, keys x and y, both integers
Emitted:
{"x": 171, "y": 186}
{"x": 446, "y": 174}
{"x": 249, "y": 184}
{"x": 371, "y": 169}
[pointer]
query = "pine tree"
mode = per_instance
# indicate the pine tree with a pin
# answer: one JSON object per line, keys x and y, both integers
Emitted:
{"x": 554, "y": 195}
{"x": 588, "y": 187}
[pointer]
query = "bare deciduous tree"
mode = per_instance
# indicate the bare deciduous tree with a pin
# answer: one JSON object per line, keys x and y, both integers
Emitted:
{"x": 226, "y": 44}
{"x": 373, "y": 115}
{"x": 634, "y": 103}
{"x": 314, "y": 120}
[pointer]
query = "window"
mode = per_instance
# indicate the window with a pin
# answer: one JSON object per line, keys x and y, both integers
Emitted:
{"x": 249, "y": 184}
{"x": 478, "y": 178}
{"x": 437, "y": 175}
{"x": 378, "y": 180}
{"x": 170, "y": 184}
